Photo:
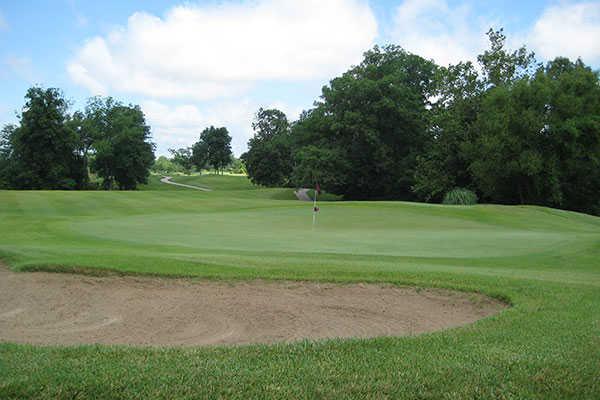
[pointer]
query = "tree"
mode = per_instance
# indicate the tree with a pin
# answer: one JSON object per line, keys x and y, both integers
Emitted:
{"x": 451, "y": 158}
{"x": 373, "y": 117}
{"x": 91, "y": 124}
{"x": 183, "y": 158}
{"x": 511, "y": 159}
{"x": 501, "y": 67}
{"x": 269, "y": 157}
{"x": 573, "y": 128}
{"x": 237, "y": 166}
{"x": 320, "y": 165}
{"x": 443, "y": 165}
{"x": 124, "y": 154}
{"x": 6, "y": 171}
{"x": 43, "y": 150}
{"x": 213, "y": 149}
{"x": 163, "y": 165}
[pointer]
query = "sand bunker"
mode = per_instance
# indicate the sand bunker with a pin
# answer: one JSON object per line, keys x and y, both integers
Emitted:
{"x": 46, "y": 308}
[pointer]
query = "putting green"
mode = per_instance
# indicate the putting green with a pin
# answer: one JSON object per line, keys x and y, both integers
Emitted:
{"x": 381, "y": 229}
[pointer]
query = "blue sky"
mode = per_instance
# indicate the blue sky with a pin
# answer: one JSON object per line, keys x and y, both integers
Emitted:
{"x": 191, "y": 64}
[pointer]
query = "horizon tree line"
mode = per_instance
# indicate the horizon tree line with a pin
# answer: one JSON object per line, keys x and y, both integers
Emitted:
{"x": 107, "y": 140}
{"x": 51, "y": 149}
{"x": 398, "y": 126}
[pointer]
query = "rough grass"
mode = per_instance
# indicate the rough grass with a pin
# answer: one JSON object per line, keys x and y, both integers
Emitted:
{"x": 460, "y": 196}
{"x": 544, "y": 262}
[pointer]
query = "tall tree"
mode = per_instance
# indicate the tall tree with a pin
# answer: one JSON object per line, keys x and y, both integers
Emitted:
{"x": 451, "y": 159}
{"x": 124, "y": 153}
{"x": 373, "y": 117}
{"x": 6, "y": 171}
{"x": 269, "y": 157}
{"x": 162, "y": 165}
{"x": 500, "y": 66}
{"x": 443, "y": 165}
{"x": 44, "y": 151}
{"x": 573, "y": 115}
{"x": 511, "y": 159}
{"x": 91, "y": 124}
{"x": 212, "y": 149}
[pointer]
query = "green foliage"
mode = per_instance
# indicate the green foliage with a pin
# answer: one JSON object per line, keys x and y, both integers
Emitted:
{"x": 268, "y": 160}
{"x": 183, "y": 158}
{"x": 236, "y": 166}
{"x": 163, "y": 166}
{"x": 6, "y": 136}
{"x": 124, "y": 154}
{"x": 51, "y": 150}
{"x": 443, "y": 165}
{"x": 460, "y": 196}
{"x": 372, "y": 123}
{"x": 574, "y": 130}
{"x": 113, "y": 140}
{"x": 213, "y": 149}
{"x": 520, "y": 133}
{"x": 325, "y": 166}
{"x": 42, "y": 153}
{"x": 501, "y": 67}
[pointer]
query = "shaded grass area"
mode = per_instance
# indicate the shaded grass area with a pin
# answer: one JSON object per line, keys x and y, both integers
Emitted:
{"x": 544, "y": 262}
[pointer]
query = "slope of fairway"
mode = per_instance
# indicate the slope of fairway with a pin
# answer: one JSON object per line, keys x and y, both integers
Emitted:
{"x": 545, "y": 262}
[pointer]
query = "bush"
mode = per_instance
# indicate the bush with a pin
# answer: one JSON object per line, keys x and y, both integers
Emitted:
{"x": 460, "y": 196}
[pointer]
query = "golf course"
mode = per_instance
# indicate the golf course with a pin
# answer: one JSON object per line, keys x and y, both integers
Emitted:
{"x": 539, "y": 268}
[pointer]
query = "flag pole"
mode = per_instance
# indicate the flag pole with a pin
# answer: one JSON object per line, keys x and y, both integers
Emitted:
{"x": 315, "y": 208}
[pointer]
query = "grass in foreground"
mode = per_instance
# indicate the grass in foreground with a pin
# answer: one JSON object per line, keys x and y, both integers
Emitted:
{"x": 545, "y": 262}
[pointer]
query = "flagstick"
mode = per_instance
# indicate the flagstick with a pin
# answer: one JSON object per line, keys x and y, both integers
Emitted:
{"x": 315, "y": 209}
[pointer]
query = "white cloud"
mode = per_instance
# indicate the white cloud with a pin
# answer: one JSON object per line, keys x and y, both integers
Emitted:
{"x": 175, "y": 126}
{"x": 206, "y": 52}
{"x": 433, "y": 29}
{"x": 568, "y": 29}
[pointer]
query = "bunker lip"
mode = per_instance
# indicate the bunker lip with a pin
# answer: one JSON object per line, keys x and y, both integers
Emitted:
{"x": 67, "y": 309}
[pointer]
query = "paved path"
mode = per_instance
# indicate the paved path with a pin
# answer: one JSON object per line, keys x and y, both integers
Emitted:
{"x": 167, "y": 180}
{"x": 302, "y": 194}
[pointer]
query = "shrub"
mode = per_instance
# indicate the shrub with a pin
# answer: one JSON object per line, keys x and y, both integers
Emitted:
{"x": 460, "y": 196}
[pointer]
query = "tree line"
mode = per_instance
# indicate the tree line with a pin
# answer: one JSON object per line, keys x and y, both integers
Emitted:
{"x": 398, "y": 126}
{"x": 107, "y": 146}
{"x": 52, "y": 149}
{"x": 211, "y": 151}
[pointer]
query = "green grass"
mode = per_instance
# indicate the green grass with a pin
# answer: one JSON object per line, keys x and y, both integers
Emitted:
{"x": 545, "y": 262}
{"x": 217, "y": 182}
{"x": 324, "y": 196}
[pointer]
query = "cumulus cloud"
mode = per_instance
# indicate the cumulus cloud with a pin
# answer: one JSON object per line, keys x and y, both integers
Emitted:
{"x": 205, "y": 52}
{"x": 433, "y": 29}
{"x": 568, "y": 29}
{"x": 175, "y": 126}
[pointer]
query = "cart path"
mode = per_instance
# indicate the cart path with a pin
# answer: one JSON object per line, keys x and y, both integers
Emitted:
{"x": 167, "y": 180}
{"x": 302, "y": 194}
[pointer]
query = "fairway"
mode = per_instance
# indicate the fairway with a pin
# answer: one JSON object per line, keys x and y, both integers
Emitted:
{"x": 543, "y": 262}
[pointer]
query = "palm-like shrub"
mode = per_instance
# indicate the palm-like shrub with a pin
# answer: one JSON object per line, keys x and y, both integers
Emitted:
{"x": 460, "y": 196}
